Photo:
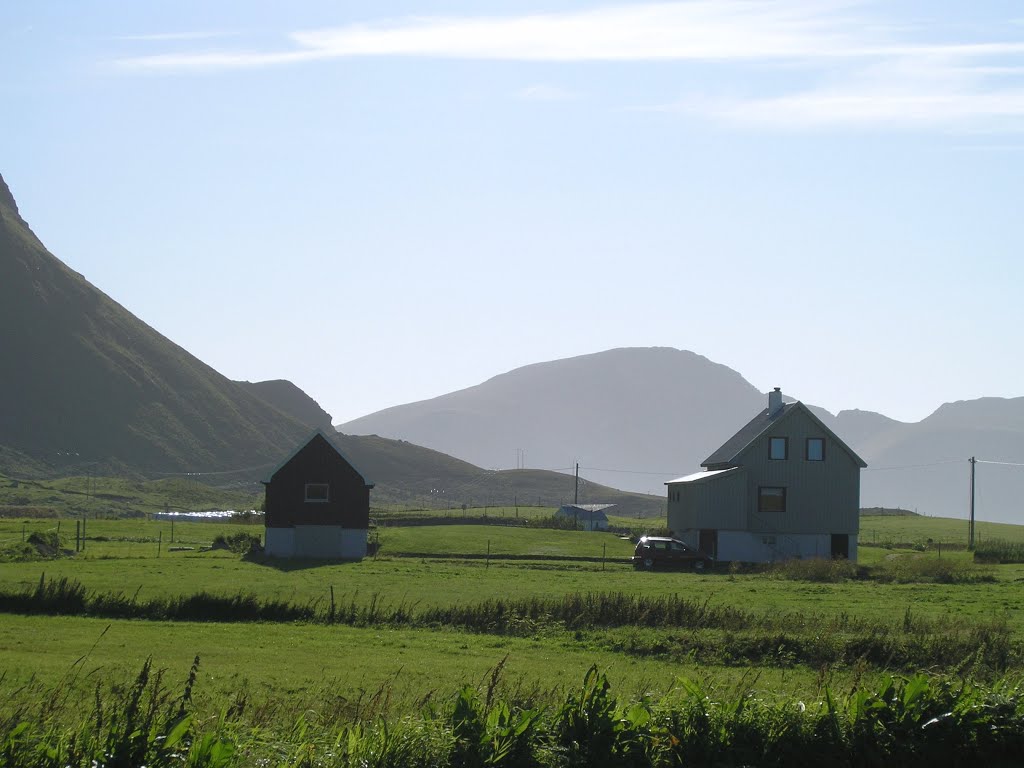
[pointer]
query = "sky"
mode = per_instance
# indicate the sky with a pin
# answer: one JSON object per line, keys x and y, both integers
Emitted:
{"x": 384, "y": 202}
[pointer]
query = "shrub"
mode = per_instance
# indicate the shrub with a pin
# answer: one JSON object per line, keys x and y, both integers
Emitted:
{"x": 240, "y": 543}
{"x": 815, "y": 569}
{"x": 931, "y": 569}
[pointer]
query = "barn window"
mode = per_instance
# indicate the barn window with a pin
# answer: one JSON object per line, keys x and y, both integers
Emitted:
{"x": 778, "y": 448}
{"x": 318, "y": 493}
{"x": 771, "y": 499}
{"x": 815, "y": 449}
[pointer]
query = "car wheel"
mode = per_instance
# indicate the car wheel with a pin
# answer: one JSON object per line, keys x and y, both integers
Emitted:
{"x": 649, "y": 563}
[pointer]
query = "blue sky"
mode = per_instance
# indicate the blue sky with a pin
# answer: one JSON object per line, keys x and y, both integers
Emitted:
{"x": 387, "y": 201}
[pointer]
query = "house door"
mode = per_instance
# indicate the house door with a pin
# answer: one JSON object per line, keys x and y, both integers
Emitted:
{"x": 840, "y": 546}
{"x": 708, "y": 543}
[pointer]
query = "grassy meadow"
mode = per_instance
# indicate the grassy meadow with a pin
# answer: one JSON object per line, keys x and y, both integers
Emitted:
{"x": 432, "y": 612}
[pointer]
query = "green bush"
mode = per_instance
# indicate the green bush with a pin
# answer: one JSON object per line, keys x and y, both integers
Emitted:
{"x": 240, "y": 543}
{"x": 815, "y": 569}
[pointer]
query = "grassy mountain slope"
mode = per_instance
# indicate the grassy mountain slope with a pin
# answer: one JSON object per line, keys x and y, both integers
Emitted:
{"x": 290, "y": 400}
{"x": 92, "y": 389}
{"x": 92, "y": 384}
{"x": 410, "y": 474}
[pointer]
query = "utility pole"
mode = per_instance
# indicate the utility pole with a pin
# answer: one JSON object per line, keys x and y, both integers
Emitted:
{"x": 576, "y": 497}
{"x": 970, "y": 536}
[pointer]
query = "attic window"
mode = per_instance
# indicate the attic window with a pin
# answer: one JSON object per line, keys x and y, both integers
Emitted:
{"x": 778, "y": 448}
{"x": 815, "y": 449}
{"x": 317, "y": 493}
{"x": 771, "y": 499}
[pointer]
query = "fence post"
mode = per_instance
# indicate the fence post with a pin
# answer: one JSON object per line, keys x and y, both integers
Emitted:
{"x": 159, "y": 542}
{"x": 332, "y": 604}
{"x": 604, "y": 553}
{"x": 488, "y": 561}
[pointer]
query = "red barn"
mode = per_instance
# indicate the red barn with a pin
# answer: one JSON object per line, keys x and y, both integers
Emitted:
{"x": 317, "y": 504}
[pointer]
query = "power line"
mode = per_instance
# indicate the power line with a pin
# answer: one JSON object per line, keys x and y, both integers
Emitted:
{"x": 914, "y": 466}
{"x": 1001, "y": 463}
{"x": 629, "y": 471}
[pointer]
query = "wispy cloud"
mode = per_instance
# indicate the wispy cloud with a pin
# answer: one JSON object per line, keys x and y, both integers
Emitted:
{"x": 861, "y": 71}
{"x": 698, "y": 29}
{"x": 905, "y": 92}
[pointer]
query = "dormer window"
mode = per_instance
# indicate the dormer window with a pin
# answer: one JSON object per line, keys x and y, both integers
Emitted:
{"x": 317, "y": 493}
{"x": 778, "y": 448}
{"x": 815, "y": 449}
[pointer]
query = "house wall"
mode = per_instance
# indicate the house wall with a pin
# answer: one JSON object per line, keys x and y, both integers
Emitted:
{"x": 317, "y": 462}
{"x": 589, "y": 521}
{"x": 822, "y": 497}
{"x": 718, "y": 502}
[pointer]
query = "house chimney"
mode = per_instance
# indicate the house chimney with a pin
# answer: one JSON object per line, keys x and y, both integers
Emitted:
{"x": 774, "y": 401}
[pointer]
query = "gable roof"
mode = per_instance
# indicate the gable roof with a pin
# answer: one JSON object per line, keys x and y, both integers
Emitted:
{"x": 757, "y": 426}
{"x": 330, "y": 442}
{"x": 594, "y": 511}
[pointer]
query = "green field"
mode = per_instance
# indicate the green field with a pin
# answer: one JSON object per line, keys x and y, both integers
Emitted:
{"x": 885, "y": 530}
{"x": 777, "y": 633}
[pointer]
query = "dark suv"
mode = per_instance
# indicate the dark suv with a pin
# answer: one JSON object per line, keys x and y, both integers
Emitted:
{"x": 662, "y": 552}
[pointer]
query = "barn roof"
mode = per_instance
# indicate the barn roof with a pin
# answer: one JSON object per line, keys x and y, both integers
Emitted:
{"x": 330, "y": 442}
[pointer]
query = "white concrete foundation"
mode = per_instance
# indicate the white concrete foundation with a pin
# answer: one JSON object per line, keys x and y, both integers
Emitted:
{"x": 751, "y": 547}
{"x": 327, "y": 542}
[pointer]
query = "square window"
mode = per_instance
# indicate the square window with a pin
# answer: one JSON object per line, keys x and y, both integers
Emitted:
{"x": 778, "y": 448}
{"x": 771, "y": 499}
{"x": 815, "y": 449}
{"x": 318, "y": 493}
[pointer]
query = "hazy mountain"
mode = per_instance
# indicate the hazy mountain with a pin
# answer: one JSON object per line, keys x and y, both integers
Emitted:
{"x": 924, "y": 466}
{"x": 289, "y": 399}
{"x": 636, "y": 417}
{"x": 653, "y": 410}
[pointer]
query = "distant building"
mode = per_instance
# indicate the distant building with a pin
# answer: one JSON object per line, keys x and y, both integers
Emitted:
{"x": 783, "y": 486}
{"x": 317, "y": 504}
{"x": 591, "y": 517}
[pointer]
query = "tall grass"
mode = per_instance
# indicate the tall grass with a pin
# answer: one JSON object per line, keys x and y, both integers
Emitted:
{"x": 999, "y": 551}
{"x": 917, "y": 719}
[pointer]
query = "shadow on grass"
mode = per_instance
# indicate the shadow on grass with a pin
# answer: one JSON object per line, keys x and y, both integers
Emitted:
{"x": 288, "y": 564}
